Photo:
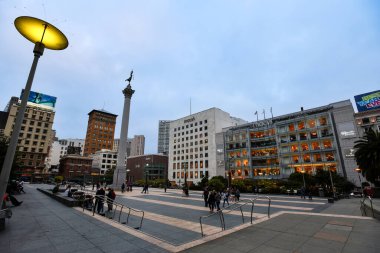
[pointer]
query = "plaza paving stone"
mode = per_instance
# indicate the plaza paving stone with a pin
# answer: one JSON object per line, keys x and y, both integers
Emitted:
{"x": 172, "y": 225}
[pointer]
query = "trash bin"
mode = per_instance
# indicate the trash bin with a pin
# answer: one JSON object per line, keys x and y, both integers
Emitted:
{"x": 321, "y": 192}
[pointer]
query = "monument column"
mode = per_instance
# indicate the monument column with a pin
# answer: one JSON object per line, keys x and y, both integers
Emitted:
{"x": 120, "y": 173}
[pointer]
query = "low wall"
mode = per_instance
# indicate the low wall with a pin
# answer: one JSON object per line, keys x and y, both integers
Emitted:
{"x": 67, "y": 201}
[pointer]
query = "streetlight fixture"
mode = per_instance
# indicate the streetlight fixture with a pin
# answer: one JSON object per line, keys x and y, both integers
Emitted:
{"x": 128, "y": 170}
{"x": 43, "y": 35}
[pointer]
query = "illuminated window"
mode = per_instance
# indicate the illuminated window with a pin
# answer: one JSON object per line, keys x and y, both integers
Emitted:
{"x": 311, "y": 123}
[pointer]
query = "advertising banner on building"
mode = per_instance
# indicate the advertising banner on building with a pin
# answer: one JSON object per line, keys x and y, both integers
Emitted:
{"x": 41, "y": 99}
{"x": 368, "y": 101}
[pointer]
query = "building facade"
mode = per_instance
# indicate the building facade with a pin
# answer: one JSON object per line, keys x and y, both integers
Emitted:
{"x": 63, "y": 147}
{"x": 149, "y": 167}
{"x": 104, "y": 160}
{"x": 34, "y": 138}
{"x": 74, "y": 166}
{"x": 163, "y": 137}
{"x": 138, "y": 145}
{"x": 307, "y": 141}
{"x": 100, "y": 131}
{"x": 193, "y": 148}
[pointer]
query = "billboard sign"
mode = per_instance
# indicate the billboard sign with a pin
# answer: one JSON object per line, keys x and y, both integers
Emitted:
{"x": 368, "y": 101}
{"x": 41, "y": 99}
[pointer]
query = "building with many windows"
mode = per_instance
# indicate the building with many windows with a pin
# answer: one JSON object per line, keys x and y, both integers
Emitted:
{"x": 163, "y": 136}
{"x": 193, "y": 148}
{"x": 73, "y": 166}
{"x": 35, "y": 135}
{"x": 100, "y": 131}
{"x": 307, "y": 141}
{"x": 104, "y": 160}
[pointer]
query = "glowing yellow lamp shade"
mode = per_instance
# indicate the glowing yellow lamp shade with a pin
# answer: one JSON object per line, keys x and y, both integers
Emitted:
{"x": 37, "y": 30}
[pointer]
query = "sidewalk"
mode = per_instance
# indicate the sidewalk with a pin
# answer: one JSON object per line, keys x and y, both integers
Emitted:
{"x": 339, "y": 228}
{"x": 42, "y": 224}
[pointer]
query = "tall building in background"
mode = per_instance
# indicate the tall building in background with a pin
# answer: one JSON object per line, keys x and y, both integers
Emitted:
{"x": 163, "y": 136}
{"x": 36, "y": 131}
{"x": 100, "y": 131}
{"x": 137, "y": 145}
{"x": 193, "y": 145}
{"x": 129, "y": 145}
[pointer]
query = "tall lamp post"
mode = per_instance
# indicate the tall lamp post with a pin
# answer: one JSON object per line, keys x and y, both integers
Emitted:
{"x": 332, "y": 184}
{"x": 358, "y": 170}
{"x": 146, "y": 173}
{"x": 303, "y": 178}
{"x": 43, "y": 35}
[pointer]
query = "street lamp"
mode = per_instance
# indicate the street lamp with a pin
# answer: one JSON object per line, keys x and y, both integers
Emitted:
{"x": 358, "y": 170}
{"x": 146, "y": 173}
{"x": 43, "y": 35}
{"x": 332, "y": 184}
{"x": 303, "y": 177}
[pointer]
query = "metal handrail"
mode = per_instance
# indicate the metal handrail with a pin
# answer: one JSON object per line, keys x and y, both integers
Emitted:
{"x": 238, "y": 205}
{"x": 264, "y": 197}
{"x": 117, "y": 205}
{"x": 220, "y": 213}
{"x": 363, "y": 206}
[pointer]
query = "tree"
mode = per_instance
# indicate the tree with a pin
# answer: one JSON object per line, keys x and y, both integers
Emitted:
{"x": 367, "y": 155}
{"x": 4, "y": 143}
{"x": 217, "y": 183}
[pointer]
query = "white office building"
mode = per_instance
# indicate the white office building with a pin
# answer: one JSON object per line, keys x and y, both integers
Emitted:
{"x": 192, "y": 145}
{"x": 104, "y": 160}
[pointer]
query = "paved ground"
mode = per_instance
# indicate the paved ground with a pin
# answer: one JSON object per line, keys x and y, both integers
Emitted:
{"x": 171, "y": 224}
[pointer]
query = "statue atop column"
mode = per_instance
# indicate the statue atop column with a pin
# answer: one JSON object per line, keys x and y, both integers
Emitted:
{"x": 128, "y": 92}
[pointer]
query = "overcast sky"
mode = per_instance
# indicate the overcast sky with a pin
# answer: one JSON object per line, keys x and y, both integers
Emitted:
{"x": 239, "y": 56}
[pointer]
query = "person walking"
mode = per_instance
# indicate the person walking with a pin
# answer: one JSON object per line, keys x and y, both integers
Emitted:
{"x": 205, "y": 196}
{"x": 122, "y": 188}
{"x": 225, "y": 196}
{"x": 218, "y": 198}
{"x": 211, "y": 201}
{"x": 145, "y": 189}
{"x": 237, "y": 195}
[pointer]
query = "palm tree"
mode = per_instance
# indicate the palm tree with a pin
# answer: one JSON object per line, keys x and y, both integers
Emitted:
{"x": 367, "y": 155}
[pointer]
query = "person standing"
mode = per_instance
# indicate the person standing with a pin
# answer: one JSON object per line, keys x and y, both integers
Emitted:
{"x": 205, "y": 196}
{"x": 122, "y": 188}
{"x": 99, "y": 201}
{"x": 110, "y": 198}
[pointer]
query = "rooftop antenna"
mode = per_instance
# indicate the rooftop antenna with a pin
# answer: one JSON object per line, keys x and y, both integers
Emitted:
{"x": 190, "y": 105}
{"x": 104, "y": 104}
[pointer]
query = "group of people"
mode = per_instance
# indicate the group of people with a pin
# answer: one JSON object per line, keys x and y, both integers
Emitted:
{"x": 213, "y": 198}
{"x": 306, "y": 192}
{"x": 128, "y": 186}
{"x": 101, "y": 196}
